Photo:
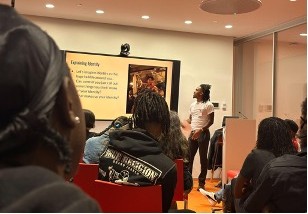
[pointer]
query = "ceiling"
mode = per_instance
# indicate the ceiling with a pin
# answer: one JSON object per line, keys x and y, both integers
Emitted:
{"x": 170, "y": 14}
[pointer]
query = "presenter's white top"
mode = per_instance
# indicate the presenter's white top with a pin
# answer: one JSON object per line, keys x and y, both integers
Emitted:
{"x": 199, "y": 112}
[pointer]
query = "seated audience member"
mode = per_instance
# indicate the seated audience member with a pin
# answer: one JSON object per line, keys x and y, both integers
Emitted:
{"x": 41, "y": 123}
{"x": 215, "y": 159}
{"x": 95, "y": 145}
{"x": 293, "y": 130}
{"x": 282, "y": 185}
{"x": 215, "y": 153}
{"x": 175, "y": 146}
{"x": 133, "y": 157}
{"x": 90, "y": 123}
{"x": 303, "y": 133}
{"x": 273, "y": 141}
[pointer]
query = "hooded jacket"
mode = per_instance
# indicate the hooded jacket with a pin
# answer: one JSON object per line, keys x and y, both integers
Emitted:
{"x": 133, "y": 157}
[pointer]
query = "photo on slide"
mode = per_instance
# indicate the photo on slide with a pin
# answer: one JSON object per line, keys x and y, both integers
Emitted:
{"x": 144, "y": 76}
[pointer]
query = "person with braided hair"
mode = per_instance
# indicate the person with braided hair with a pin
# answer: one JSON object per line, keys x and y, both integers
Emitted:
{"x": 41, "y": 123}
{"x": 201, "y": 117}
{"x": 282, "y": 183}
{"x": 134, "y": 157}
{"x": 273, "y": 140}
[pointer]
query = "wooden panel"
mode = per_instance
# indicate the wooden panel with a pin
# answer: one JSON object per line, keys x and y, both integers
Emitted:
{"x": 239, "y": 138}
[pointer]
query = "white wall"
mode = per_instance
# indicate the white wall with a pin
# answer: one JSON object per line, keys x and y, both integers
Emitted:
{"x": 204, "y": 58}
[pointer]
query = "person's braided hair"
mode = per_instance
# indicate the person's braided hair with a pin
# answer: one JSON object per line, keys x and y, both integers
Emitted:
{"x": 122, "y": 119}
{"x": 206, "y": 92}
{"x": 274, "y": 136}
{"x": 149, "y": 106}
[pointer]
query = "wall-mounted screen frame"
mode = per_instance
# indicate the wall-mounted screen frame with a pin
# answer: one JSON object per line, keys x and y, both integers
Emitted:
{"x": 107, "y": 84}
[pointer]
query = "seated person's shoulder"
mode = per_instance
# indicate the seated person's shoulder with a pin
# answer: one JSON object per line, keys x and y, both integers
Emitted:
{"x": 94, "y": 147}
{"x": 41, "y": 190}
{"x": 96, "y": 139}
{"x": 261, "y": 154}
{"x": 290, "y": 161}
{"x": 285, "y": 169}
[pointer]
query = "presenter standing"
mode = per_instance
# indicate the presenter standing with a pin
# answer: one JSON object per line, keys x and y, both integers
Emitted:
{"x": 201, "y": 118}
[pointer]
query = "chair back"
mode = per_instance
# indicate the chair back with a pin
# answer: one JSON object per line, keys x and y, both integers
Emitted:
{"x": 179, "y": 188}
{"x": 85, "y": 177}
{"x": 179, "y": 194}
{"x": 123, "y": 198}
{"x": 217, "y": 157}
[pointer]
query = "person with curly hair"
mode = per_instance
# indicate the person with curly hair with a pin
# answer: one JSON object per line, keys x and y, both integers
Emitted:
{"x": 273, "y": 140}
{"x": 282, "y": 184}
{"x": 175, "y": 146}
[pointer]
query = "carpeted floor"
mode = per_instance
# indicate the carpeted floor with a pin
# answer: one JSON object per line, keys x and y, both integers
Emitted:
{"x": 197, "y": 202}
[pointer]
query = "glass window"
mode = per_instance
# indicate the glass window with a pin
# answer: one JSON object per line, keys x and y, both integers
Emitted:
{"x": 253, "y": 79}
{"x": 291, "y": 72}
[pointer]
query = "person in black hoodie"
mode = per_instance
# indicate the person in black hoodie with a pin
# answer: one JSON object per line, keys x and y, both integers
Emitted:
{"x": 134, "y": 157}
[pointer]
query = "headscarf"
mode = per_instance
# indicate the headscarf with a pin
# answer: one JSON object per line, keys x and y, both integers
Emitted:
{"x": 31, "y": 73}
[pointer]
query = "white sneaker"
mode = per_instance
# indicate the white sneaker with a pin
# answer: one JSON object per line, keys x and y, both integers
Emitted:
{"x": 210, "y": 196}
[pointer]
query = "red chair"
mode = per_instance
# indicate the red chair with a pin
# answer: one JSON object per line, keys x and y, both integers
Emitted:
{"x": 123, "y": 198}
{"x": 85, "y": 177}
{"x": 231, "y": 174}
{"x": 179, "y": 194}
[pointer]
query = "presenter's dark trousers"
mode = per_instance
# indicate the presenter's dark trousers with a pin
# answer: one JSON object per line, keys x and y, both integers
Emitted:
{"x": 202, "y": 143}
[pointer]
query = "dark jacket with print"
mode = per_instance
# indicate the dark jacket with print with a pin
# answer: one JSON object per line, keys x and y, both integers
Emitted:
{"x": 133, "y": 157}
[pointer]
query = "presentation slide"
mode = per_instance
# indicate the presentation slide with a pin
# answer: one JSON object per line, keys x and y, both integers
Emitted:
{"x": 108, "y": 85}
